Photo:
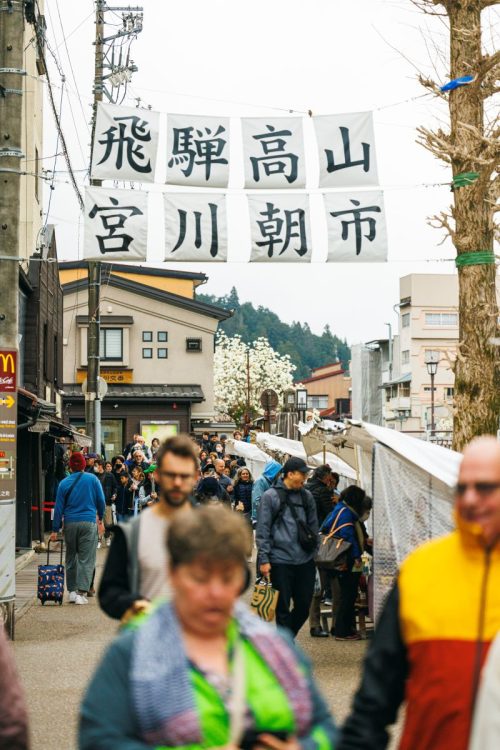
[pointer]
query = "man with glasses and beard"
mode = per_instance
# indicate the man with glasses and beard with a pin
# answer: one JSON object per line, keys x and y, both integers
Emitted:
{"x": 435, "y": 630}
{"x": 134, "y": 573}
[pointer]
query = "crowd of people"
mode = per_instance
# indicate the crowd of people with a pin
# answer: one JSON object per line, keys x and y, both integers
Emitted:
{"x": 192, "y": 667}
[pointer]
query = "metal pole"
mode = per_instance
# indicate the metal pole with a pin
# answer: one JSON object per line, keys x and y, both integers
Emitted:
{"x": 11, "y": 111}
{"x": 93, "y": 427}
{"x": 433, "y": 426}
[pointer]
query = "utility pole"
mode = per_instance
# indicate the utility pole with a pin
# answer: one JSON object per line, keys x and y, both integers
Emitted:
{"x": 132, "y": 25}
{"x": 11, "y": 109}
{"x": 92, "y": 401}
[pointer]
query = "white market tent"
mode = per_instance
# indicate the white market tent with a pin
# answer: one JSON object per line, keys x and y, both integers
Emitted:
{"x": 411, "y": 482}
{"x": 281, "y": 447}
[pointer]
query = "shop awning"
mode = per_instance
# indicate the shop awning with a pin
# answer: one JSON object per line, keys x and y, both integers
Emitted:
{"x": 406, "y": 378}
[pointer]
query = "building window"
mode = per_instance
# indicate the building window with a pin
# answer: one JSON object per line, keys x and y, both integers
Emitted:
{"x": 162, "y": 336}
{"x": 405, "y": 320}
{"x": 193, "y": 345}
{"x": 111, "y": 344}
{"x": 428, "y": 389}
{"x": 405, "y": 357}
{"x": 147, "y": 336}
{"x": 448, "y": 320}
{"x": 317, "y": 402}
{"x": 449, "y": 393}
{"x": 147, "y": 353}
{"x": 162, "y": 353}
{"x": 46, "y": 351}
{"x": 404, "y": 390}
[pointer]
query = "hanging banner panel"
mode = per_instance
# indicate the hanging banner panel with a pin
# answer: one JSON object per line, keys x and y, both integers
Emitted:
{"x": 273, "y": 149}
{"x": 116, "y": 224}
{"x": 280, "y": 228}
{"x": 125, "y": 143}
{"x": 195, "y": 227}
{"x": 197, "y": 151}
{"x": 346, "y": 145}
{"x": 357, "y": 230}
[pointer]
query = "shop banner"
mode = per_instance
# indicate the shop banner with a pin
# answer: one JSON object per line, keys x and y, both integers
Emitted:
{"x": 195, "y": 227}
{"x": 125, "y": 143}
{"x": 116, "y": 224}
{"x": 273, "y": 149}
{"x": 346, "y": 148}
{"x": 280, "y": 228}
{"x": 197, "y": 151}
{"x": 357, "y": 230}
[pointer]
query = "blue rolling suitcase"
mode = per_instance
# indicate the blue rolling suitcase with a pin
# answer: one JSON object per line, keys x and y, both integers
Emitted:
{"x": 51, "y": 580}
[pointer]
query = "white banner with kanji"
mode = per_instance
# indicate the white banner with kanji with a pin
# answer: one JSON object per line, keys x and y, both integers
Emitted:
{"x": 125, "y": 143}
{"x": 273, "y": 152}
{"x": 115, "y": 224}
{"x": 346, "y": 149}
{"x": 195, "y": 227}
{"x": 279, "y": 225}
{"x": 357, "y": 231}
{"x": 197, "y": 151}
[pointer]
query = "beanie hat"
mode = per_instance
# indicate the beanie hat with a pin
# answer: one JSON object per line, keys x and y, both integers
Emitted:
{"x": 77, "y": 462}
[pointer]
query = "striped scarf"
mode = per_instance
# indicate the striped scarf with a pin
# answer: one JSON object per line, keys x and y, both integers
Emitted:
{"x": 163, "y": 696}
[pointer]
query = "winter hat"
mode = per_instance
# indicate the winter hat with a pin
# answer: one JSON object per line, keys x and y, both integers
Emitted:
{"x": 209, "y": 486}
{"x": 77, "y": 462}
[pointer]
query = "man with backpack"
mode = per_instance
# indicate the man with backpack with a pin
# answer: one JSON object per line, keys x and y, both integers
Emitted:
{"x": 287, "y": 532}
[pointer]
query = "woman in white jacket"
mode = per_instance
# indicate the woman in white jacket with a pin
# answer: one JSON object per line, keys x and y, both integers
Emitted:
{"x": 486, "y": 728}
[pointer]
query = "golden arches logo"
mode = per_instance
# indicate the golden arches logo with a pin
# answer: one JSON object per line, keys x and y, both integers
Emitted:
{"x": 7, "y": 363}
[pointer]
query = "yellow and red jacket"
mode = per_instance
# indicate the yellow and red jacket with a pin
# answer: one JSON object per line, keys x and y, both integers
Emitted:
{"x": 430, "y": 644}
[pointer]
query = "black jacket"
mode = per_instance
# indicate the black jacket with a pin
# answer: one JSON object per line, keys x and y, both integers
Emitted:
{"x": 115, "y": 596}
{"x": 109, "y": 485}
{"x": 323, "y": 497}
{"x": 242, "y": 493}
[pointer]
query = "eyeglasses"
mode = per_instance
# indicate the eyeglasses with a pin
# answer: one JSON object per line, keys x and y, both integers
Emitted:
{"x": 173, "y": 475}
{"x": 482, "y": 488}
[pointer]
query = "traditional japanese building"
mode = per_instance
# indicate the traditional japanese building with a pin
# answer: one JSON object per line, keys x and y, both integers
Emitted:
{"x": 157, "y": 350}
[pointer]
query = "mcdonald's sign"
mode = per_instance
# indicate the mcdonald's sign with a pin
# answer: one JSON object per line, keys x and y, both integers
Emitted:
{"x": 8, "y": 370}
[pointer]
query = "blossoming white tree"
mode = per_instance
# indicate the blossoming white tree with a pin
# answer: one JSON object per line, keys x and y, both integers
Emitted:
{"x": 234, "y": 391}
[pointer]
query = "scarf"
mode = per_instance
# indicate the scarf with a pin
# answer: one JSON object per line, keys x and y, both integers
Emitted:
{"x": 162, "y": 694}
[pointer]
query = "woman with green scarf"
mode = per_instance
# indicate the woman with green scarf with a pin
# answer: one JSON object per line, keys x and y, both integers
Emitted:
{"x": 202, "y": 671}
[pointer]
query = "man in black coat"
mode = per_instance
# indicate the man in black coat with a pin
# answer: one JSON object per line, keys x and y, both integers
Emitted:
{"x": 320, "y": 487}
{"x": 110, "y": 488}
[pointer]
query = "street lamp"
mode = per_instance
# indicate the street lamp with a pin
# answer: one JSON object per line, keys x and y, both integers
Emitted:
{"x": 431, "y": 361}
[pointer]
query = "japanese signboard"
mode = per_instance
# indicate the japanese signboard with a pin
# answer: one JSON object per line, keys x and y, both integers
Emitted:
{"x": 113, "y": 377}
{"x": 346, "y": 147}
{"x": 195, "y": 227}
{"x": 8, "y": 446}
{"x": 280, "y": 228}
{"x": 356, "y": 227}
{"x": 197, "y": 151}
{"x": 273, "y": 152}
{"x": 116, "y": 224}
{"x": 125, "y": 143}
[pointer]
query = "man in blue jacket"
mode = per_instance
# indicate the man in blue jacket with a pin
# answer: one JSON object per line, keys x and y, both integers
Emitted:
{"x": 79, "y": 501}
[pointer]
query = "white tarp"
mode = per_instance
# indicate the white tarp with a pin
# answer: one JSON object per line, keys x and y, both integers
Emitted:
{"x": 357, "y": 231}
{"x": 195, "y": 227}
{"x": 125, "y": 143}
{"x": 279, "y": 227}
{"x": 346, "y": 148}
{"x": 197, "y": 150}
{"x": 273, "y": 149}
{"x": 281, "y": 446}
{"x": 255, "y": 458}
{"x": 115, "y": 224}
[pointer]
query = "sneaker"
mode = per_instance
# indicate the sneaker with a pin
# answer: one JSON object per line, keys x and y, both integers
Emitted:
{"x": 108, "y": 542}
{"x": 353, "y": 637}
{"x": 72, "y": 597}
{"x": 99, "y": 545}
{"x": 81, "y": 599}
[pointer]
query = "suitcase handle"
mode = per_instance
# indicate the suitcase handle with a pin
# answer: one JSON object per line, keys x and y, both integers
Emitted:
{"x": 48, "y": 550}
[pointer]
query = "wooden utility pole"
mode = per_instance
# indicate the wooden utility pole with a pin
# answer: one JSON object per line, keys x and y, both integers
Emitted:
{"x": 11, "y": 110}
{"x": 472, "y": 148}
{"x": 92, "y": 401}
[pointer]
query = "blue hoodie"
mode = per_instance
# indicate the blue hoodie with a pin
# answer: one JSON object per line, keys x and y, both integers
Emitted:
{"x": 263, "y": 483}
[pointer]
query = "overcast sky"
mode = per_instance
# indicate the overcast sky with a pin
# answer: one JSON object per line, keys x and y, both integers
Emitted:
{"x": 250, "y": 59}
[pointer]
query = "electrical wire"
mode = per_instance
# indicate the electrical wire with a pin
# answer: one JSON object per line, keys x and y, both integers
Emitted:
{"x": 51, "y": 186}
{"x": 71, "y": 66}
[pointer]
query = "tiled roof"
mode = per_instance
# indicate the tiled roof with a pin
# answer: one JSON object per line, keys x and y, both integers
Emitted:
{"x": 178, "y": 392}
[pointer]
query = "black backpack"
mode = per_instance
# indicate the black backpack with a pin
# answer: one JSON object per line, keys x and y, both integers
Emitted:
{"x": 308, "y": 540}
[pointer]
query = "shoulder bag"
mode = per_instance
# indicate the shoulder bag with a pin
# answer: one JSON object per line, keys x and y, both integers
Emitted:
{"x": 332, "y": 550}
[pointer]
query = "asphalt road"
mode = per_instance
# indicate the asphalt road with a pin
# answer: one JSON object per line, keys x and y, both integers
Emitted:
{"x": 57, "y": 649}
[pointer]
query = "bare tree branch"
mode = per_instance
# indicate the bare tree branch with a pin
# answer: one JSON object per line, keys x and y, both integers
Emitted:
{"x": 442, "y": 221}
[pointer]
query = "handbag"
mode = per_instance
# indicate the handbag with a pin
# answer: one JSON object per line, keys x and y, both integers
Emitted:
{"x": 264, "y": 599}
{"x": 332, "y": 550}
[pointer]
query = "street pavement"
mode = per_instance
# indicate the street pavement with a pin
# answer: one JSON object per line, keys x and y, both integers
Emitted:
{"x": 57, "y": 649}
